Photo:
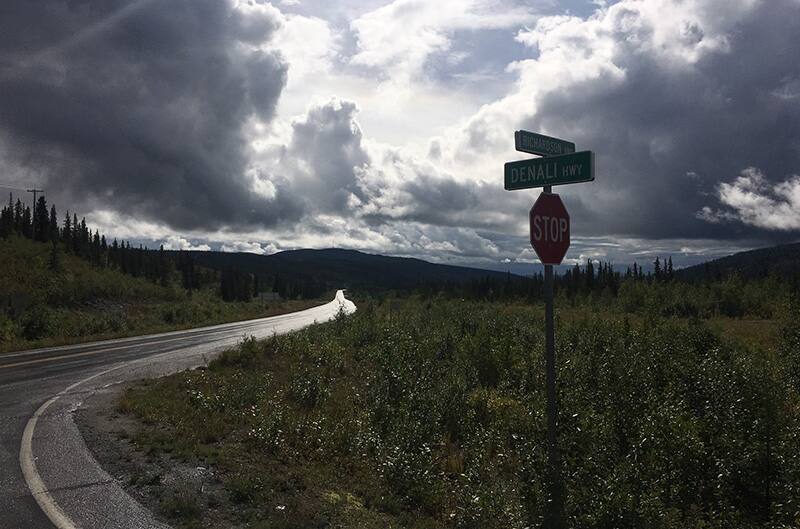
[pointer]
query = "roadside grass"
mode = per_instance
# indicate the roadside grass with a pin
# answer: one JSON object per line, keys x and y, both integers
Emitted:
{"x": 80, "y": 302}
{"x": 183, "y": 504}
{"x": 64, "y": 326}
{"x": 431, "y": 416}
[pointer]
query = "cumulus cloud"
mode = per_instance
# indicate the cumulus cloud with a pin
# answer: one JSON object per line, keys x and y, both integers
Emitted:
{"x": 646, "y": 84}
{"x": 328, "y": 163}
{"x": 249, "y": 247}
{"x": 325, "y": 151}
{"x": 657, "y": 89}
{"x": 755, "y": 201}
{"x": 398, "y": 38}
{"x": 143, "y": 105}
{"x": 164, "y": 118}
{"x": 174, "y": 242}
{"x": 308, "y": 44}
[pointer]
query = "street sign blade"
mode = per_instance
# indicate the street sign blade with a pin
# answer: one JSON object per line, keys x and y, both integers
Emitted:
{"x": 550, "y": 171}
{"x": 534, "y": 143}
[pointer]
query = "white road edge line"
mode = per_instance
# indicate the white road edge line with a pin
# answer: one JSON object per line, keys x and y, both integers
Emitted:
{"x": 28, "y": 463}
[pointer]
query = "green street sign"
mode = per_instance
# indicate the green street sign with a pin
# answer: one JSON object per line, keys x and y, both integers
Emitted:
{"x": 550, "y": 171}
{"x": 534, "y": 143}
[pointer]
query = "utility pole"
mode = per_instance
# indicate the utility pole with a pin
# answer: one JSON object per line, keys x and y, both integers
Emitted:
{"x": 33, "y": 209}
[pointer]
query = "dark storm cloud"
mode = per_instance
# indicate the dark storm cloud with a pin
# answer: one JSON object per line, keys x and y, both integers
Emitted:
{"x": 442, "y": 200}
{"x": 140, "y": 106}
{"x": 667, "y": 135}
{"x": 398, "y": 186}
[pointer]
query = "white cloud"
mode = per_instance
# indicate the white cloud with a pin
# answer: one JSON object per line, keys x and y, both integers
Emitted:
{"x": 249, "y": 247}
{"x": 674, "y": 31}
{"x": 789, "y": 90}
{"x": 400, "y": 37}
{"x": 574, "y": 52}
{"x": 114, "y": 224}
{"x": 423, "y": 176}
{"x": 309, "y": 44}
{"x": 756, "y": 202}
{"x": 173, "y": 242}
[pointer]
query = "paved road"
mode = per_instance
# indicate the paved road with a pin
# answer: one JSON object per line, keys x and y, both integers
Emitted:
{"x": 47, "y": 476}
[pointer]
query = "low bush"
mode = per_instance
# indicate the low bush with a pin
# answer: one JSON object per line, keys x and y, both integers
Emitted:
{"x": 433, "y": 416}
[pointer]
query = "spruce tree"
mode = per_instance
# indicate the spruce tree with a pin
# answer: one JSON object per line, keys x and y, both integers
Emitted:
{"x": 76, "y": 238}
{"x": 96, "y": 248}
{"x": 52, "y": 229}
{"x": 66, "y": 233}
{"x": 41, "y": 221}
{"x": 7, "y": 218}
{"x": 18, "y": 216}
{"x": 163, "y": 271}
{"x": 83, "y": 234}
{"x": 27, "y": 224}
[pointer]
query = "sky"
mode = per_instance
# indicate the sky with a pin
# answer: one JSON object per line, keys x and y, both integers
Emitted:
{"x": 383, "y": 125}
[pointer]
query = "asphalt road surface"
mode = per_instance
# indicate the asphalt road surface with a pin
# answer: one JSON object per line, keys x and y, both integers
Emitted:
{"x": 47, "y": 476}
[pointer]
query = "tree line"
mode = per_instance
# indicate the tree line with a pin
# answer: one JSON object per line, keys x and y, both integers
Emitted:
{"x": 73, "y": 236}
{"x": 593, "y": 277}
{"x": 597, "y": 285}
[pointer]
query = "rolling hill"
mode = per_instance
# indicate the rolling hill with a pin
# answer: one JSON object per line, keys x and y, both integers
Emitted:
{"x": 777, "y": 261}
{"x": 334, "y": 268}
{"x": 52, "y": 298}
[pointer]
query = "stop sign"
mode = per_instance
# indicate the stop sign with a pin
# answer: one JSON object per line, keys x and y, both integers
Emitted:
{"x": 549, "y": 228}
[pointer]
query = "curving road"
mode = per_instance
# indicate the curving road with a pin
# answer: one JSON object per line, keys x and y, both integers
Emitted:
{"x": 47, "y": 476}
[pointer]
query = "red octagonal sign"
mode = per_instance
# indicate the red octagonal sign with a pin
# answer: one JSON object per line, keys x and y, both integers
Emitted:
{"x": 549, "y": 228}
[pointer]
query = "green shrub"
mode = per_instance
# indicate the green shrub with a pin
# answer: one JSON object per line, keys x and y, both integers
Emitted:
{"x": 38, "y": 322}
{"x": 7, "y": 330}
{"x": 435, "y": 414}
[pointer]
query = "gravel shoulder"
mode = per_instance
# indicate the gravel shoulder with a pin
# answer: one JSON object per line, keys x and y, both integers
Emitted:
{"x": 179, "y": 492}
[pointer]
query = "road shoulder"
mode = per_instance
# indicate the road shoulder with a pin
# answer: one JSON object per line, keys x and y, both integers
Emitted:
{"x": 176, "y": 490}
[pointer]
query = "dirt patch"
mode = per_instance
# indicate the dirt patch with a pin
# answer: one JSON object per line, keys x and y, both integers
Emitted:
{"x": 180, "y": 492}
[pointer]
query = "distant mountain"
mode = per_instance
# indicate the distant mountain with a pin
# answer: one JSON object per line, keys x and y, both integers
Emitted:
{"x": 779, "y": 261}
{"x": 520, "y": 269}
{"x": 336, "y": 268}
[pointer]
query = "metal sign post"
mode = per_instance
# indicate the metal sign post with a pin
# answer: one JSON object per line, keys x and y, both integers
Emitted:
{"x": 554, "y": 511}
{"x": 550, "y": 234}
